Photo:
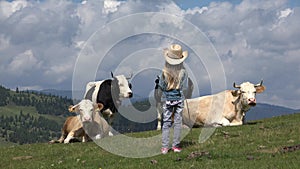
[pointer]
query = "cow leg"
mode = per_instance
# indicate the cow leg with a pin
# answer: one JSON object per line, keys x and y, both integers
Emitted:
{"x": 109, "y": 114}
{"x": 61, "y": 139}
{"x": 69, "y": 137}
{"x": 225, "y": 122}
{"x": 85, "y": 138}
{"x": 236, "y": 123}
{"x": 159, "y": 113}
{"x": 63, "y": 136}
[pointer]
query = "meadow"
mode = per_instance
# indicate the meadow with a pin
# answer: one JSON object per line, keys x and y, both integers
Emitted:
{"x": 270, "y": 143}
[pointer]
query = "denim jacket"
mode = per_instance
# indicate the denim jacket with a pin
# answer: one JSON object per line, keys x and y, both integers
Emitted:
{"x": 173, "y": 94}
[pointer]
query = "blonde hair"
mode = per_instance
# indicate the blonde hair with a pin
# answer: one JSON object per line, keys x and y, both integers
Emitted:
{"x": 172, "y": 75}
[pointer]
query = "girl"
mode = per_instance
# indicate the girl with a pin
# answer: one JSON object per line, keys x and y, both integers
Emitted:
{"x": 173, "y": 77}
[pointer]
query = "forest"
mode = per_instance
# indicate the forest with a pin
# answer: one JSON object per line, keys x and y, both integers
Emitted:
{"x": 26, "y": 128}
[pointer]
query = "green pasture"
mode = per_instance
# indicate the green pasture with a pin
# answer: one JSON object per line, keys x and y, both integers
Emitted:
{"x": 260, "y": 144}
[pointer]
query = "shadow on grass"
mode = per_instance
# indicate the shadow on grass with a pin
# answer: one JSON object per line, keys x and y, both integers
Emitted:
{"x": 187, "y": 143}
{"x": 253, "y": 122}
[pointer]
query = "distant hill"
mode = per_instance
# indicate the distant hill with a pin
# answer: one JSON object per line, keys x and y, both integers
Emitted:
{"x": 262, "y": 111}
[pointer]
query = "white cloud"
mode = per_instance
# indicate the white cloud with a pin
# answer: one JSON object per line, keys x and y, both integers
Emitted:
{"x": 285, "y": 13}
{"x": 255, "y": 39}
{"x": 110, "y": 6}
{"x": 8, "y": 8}
{"x": 23, "y": 63}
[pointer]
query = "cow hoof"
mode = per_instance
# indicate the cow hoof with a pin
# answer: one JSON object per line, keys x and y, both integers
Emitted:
{"x": 110, "y": 134}
{"x": 98, "y": 136}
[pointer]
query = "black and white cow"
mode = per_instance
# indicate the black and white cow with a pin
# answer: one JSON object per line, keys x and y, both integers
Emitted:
{"x": 109, "y": 92}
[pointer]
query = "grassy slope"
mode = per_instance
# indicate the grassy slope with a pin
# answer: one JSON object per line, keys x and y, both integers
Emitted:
{"x": 249, "y": 146}
{"x": 12, "y": 110}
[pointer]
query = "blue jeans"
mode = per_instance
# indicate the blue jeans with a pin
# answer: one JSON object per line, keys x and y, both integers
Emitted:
{"x": 169, "y": 108}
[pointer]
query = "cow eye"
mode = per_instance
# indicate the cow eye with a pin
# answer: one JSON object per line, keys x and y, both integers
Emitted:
{"x": 130, "y": 86}
{"x": 243, "y": 92}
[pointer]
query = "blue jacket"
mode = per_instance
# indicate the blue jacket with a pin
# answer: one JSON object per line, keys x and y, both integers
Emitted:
{"x": 173, "y": 94}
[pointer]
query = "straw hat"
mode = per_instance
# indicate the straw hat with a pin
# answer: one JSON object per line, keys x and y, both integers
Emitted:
{"x": 174, "y": 54}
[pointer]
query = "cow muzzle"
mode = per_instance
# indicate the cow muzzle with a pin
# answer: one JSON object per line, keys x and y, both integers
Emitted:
{"x": 86, "y": 119}
{"x": 252, "y": 102}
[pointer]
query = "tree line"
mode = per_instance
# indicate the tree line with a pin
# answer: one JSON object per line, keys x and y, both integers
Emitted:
{"x": 44, "y": 104}
{"x": 25, "y": 129}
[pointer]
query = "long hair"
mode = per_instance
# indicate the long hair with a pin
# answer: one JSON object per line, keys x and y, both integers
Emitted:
{"x": 172, "y": 75}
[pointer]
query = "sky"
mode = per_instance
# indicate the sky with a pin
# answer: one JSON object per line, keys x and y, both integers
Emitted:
{"x": 50, "y": 44}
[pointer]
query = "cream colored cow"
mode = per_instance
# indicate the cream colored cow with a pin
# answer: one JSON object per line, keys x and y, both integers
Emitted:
{"x": 226, "y": 108}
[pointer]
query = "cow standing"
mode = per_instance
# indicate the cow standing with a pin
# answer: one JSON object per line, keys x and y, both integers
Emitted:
{"x": 227, "y": 108}
{"x": 110, "y": 93}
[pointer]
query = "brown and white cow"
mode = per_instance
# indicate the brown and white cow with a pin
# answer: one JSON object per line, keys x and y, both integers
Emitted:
{"x": 88, "y": 124}
{"x": 226, "y": 108}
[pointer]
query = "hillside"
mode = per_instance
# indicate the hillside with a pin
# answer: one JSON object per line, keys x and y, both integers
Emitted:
{"x": 269, "y": 143}
{"x": 28, "y": 117}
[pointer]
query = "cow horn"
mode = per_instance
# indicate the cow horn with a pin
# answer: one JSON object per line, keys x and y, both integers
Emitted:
{"x": 112, "y": 75}
{"x": 130, "y": 76}
{"x": 259, "y": 84}
{"x": 236, "y": 86}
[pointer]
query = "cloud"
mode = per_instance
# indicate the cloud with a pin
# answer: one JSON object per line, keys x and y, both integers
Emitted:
{"x": 24, "y": 62}
{"x": 110, "y": 6}
{"x": 254, "y": 39}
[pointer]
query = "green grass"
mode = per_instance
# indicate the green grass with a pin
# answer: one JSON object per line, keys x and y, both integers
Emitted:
{"x": 12, "y": 110}
{"x": 256, "y": 146}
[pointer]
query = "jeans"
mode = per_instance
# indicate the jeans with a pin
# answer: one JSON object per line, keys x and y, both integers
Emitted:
{"x": 169, "y": 108}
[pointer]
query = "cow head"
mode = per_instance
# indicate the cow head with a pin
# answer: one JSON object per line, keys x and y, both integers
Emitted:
{"x": 121, "y": 87}
{"x": 247, "y": 92}
{"x": 86, "y": 109}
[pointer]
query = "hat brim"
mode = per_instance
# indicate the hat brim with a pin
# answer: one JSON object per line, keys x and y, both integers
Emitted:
{"x": 172, "y": 61}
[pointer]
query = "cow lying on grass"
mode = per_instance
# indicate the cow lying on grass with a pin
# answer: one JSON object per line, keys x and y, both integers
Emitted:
{"x": 88, "y": 124}
{"x": 227, "y": 108}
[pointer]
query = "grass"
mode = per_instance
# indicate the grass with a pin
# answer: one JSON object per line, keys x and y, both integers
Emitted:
{"x": 256, "y": 145}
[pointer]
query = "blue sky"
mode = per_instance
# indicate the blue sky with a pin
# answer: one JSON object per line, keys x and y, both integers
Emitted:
{"x": 40, "y": 42}
{"x": 185, "y": 4}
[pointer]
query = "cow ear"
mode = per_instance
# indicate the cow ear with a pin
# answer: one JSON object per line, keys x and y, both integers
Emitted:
{"x": 72, "y": 109}
{"x": 100, "y": 106}
{"x": 260, "y": 89}
{"x": 235, "y": 93}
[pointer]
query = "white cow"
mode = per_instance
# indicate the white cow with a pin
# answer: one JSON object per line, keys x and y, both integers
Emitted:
{"x": 227, "y": 108}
